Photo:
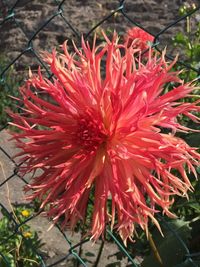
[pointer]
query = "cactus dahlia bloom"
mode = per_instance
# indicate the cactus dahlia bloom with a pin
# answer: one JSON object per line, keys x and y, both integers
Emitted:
{"x": 104, "y": 128}
{"x": 138, "y": 38}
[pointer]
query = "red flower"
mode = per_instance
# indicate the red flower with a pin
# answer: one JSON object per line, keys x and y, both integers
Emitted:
{"x": 103, "y": 128}
{"x": 138, "y": 38}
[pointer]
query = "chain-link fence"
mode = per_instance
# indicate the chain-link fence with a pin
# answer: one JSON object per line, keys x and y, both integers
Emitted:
{"x": 21, "y": 42}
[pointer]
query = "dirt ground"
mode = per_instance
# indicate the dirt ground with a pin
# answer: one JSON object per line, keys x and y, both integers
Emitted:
{"x": 40, "y": 22}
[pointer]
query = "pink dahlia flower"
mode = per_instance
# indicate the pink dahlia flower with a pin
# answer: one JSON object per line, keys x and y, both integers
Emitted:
{"x": 103, "y": 128}
{"x": 138, "y": 38}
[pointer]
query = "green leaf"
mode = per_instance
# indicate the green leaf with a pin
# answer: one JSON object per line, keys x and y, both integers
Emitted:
{"x": 193, "y": 139}
{"x": 9, "y": 261}
{"x": 180, "y": 38}
{"x": 188, "y": 263}
{"x": 198, "y": 169}
{"x": 29, "y": 245}
{"x": 171, "y": 250}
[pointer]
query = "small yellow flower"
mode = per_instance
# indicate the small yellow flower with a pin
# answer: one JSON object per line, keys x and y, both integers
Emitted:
{"x": 27, "y": 234}
{"x": 25, "y": 213}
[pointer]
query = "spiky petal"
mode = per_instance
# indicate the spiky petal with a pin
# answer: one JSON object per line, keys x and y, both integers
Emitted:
{"x": 103, "y": 127}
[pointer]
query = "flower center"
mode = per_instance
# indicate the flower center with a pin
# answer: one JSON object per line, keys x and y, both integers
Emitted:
{"x": 90, "y": 133}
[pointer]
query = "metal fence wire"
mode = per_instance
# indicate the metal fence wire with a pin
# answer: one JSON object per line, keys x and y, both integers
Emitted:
{"x": 10, "y": 17}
